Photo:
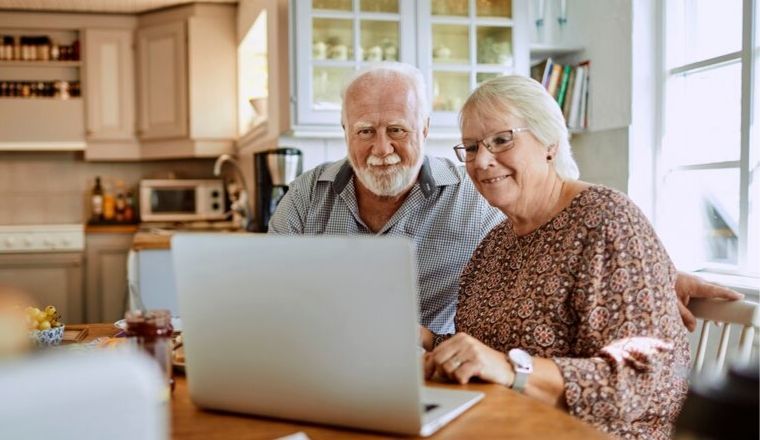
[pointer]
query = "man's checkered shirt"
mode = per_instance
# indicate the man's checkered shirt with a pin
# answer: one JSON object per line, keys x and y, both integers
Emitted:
{"x": 443, "y": 215}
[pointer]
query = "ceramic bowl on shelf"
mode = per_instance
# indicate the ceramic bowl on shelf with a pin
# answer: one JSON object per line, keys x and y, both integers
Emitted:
{"x": 46, "y": 338}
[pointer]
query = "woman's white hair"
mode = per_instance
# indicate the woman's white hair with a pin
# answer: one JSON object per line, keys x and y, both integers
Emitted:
{"x": 527, "y": 99}
{"x": 388, "y": 70}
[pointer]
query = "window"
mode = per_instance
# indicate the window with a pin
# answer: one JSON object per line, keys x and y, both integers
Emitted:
{"x": 707, "y": 186}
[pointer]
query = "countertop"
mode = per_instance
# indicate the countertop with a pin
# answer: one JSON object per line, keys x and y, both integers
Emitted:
{"x": 111, "y": 229}
{"x": 151, "y": 238}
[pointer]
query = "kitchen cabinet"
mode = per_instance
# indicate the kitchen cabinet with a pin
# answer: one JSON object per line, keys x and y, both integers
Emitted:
{"x": 464, "y": 43}
{"x": 43, "y": 114}
{"x": 456, "y": 45}
{"x": 49, "y": 278}
{"x": 186, "y": 81}
{"x": 58, "y": 122}
{"x": 106, "y": 275}
{"x": 110, "y": 99}
{"x": 163, "y": 81}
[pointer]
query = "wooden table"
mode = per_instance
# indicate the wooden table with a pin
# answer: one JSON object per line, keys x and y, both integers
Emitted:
{"x": 501, "y": 414}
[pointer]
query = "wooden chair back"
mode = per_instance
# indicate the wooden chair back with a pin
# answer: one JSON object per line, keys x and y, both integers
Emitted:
{"x": 722, "y": 314}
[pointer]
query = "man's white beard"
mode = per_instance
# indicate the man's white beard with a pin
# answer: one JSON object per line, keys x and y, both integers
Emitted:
{"x": 389, "y": 181}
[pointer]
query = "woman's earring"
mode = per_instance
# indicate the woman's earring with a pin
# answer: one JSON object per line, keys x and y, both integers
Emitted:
{"x": 548, "y": 157}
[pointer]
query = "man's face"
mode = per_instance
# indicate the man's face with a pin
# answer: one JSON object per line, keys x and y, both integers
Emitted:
{"x": 384, "y": 134}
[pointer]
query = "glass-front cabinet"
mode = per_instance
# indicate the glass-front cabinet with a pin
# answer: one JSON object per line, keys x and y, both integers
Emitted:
{"x": 456, "y": 43}
{"x": 463, "y": 43}
{"x": 337, "y": 37}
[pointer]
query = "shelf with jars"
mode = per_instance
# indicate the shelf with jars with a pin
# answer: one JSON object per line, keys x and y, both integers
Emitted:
{"x": 40, "y": 74}
{"x": 39, "y": 64}
{"x": 456, "y": 44}
{"x": 465, "y": 43}
{"x": 335, "y": 38}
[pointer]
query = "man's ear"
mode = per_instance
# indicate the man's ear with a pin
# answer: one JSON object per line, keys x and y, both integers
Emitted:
{"x": 427, "y": 128}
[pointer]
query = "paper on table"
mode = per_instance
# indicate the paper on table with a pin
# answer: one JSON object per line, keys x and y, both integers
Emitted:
{"x": 296, "y": 436}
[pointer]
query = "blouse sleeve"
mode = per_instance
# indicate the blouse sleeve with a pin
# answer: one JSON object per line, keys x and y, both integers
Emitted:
{"x": 630, "y": 353}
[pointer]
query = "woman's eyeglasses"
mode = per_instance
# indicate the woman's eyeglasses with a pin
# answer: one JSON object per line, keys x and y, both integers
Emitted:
{"x": 496, "y": 143}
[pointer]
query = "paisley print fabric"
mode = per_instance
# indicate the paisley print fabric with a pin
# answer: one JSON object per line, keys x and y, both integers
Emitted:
{"x": 591, "y": 277}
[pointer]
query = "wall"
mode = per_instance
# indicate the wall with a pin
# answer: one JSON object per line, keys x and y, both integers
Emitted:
{"x": 604, "y": 29}
{"x": 53, "y": 188}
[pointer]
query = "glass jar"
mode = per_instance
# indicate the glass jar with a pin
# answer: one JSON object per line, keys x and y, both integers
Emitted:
{"x": 152, "y": 332}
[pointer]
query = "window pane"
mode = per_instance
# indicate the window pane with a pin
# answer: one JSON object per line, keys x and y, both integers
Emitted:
{"x": 450, "y": 89}
{"x": 493, "y": 8}
{"x": 753, "y": 230}
{"x": 494, "y": 45}
{"x": 451, "y": 44}
{"x": 333, "y": 39}
{"x": 701, "y": 29}
{"x": 379, "y": 6}
{"x": 753, "y": 240}
{"x": 327, "y": 82}
{"x": 482, "y": 77}
{"x": 335, "y": 5}
{"x": 449, "y": 7}
{"x": 700, "y": 217}
{"x": 253, "y": 79}
{"x": 379, "y": 40}
{"x": 702, "y": 120}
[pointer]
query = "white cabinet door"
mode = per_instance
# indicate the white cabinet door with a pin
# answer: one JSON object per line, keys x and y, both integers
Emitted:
{"x": 106, "y": 276}
{"x": 109, "y": 84}
{"x": 162, "y": 81}
{"x": 49, "y": 278}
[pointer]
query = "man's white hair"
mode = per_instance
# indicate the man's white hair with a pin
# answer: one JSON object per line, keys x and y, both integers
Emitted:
{"x": 387, "y": 70}
{"x": 527, "y": 99}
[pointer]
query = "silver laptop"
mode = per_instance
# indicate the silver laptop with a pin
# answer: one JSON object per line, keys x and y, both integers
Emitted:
{"x": 311, "y": 328}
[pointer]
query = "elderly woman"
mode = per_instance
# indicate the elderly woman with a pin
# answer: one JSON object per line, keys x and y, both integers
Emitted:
{"x": 571, "y": 299}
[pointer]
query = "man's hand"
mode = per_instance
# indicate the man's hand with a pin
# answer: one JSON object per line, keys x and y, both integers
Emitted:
{"x": 689, "y": 286}
{"x": 426, "y": 338}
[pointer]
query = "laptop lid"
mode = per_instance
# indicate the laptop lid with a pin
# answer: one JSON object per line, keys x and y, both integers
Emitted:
{"x": 314, "y": 328}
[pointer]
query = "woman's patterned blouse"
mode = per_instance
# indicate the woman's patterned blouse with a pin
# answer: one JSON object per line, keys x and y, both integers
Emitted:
{"x": 585, "y": 289}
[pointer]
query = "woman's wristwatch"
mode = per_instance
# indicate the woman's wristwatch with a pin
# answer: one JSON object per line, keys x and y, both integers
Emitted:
{"x": 522, "y": 363}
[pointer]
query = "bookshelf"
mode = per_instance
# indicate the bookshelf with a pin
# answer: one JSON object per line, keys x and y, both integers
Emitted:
{"x": 539, "y": 52}
{"x": 558, "y": 68}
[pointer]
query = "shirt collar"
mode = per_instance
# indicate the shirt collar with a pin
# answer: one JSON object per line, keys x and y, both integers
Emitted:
{"x": 434, "y": 172}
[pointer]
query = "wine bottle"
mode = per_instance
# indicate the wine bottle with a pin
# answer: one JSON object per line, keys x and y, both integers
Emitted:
{"x": 96, "y": 202}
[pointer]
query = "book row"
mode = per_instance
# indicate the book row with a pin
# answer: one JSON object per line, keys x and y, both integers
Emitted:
{"x": 569, "y": 85}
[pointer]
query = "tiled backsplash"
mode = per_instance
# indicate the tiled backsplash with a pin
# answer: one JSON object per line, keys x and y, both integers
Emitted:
{"x": 53, "y": 188}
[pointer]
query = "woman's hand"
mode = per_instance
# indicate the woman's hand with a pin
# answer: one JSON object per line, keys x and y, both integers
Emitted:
{"x": 426, "y": 338}
{"x": 463, "y": 357}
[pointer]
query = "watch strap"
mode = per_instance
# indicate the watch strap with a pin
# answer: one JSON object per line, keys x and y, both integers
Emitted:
{"x": 521, "y": 379}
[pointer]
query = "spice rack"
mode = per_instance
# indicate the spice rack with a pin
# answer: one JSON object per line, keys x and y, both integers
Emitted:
{"x": 40, "y": 102}
{"x": 39, "y": 64}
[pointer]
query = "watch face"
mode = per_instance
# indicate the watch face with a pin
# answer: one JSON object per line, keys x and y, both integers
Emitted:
{"x": 520, "y": 357}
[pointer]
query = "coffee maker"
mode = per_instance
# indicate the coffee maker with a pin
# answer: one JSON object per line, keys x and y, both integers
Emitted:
{"x": 275, "y": 170}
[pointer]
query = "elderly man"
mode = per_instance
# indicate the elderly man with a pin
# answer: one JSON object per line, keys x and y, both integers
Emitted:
{"x": 388, "y": 186}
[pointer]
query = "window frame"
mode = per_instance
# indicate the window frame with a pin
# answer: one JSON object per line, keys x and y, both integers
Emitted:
{"x": 747, "y": 57}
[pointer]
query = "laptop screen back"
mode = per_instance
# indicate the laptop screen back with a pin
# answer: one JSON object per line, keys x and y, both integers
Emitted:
{"x": 313, "y": 328}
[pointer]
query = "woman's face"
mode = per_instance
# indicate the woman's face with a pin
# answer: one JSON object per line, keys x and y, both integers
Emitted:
{"x": 512, "y": 180}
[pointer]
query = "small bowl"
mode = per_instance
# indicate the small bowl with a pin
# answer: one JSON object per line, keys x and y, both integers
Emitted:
{"x": 46, "y": 338}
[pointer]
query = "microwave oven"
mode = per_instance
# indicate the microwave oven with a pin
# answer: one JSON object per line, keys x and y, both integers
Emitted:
{"x": 182, "y": 200}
